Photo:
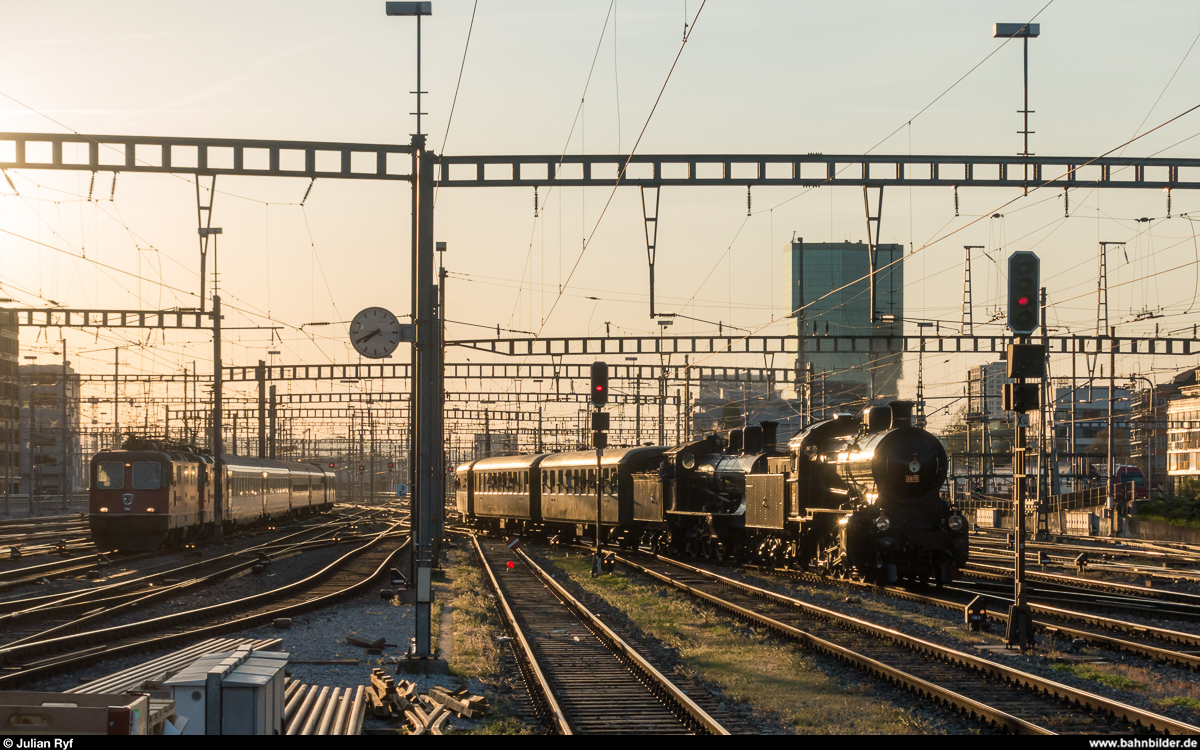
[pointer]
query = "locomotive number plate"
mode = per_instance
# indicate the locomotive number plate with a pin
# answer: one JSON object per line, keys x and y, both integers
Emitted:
{"x": 912, "y": 478}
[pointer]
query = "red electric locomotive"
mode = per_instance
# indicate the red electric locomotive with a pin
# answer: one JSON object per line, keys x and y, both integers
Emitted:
{"x": 145, "y": 499}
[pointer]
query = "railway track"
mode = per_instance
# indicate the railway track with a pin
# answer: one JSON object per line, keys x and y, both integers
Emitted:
{"x": 1161, "y": 551}
{"x": 1174, "y": 647}
{"x": 43, "y": 617}
{"x": 1096, "y": 560}
{"x": 1089, "y": 592}
{"x": 1000, "y": 696}
{"x": 30, "y": 537}
{"x": 590, "y": 681}
{"x": 347, "y": 575}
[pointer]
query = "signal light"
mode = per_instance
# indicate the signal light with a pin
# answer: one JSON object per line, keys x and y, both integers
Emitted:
{"x": 599, "y": 384}
{"x": 1024, "y": 270}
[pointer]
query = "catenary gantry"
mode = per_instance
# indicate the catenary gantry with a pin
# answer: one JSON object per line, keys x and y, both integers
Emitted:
{"x": 365, "y": 161}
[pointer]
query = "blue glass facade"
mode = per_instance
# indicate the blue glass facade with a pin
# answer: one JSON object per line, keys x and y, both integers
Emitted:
{"x": 831, "y": 296}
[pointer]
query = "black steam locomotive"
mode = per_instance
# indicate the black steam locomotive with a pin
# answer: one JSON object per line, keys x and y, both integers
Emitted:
{"x": 851, "y": 496}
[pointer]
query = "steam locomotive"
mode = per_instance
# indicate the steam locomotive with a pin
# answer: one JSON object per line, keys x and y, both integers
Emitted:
{"x": 145, "y": 499}
{"x": 855, "y": 496}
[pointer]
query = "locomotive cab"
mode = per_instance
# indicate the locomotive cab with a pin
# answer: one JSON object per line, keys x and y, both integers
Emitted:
{"x": 130, "y": 498}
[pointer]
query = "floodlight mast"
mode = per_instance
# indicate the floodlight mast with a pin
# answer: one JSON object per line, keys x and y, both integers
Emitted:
{"x": 1025, "y": 33}
{"x": 417, "y": 9}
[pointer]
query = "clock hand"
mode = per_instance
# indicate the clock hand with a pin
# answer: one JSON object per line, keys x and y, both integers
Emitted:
{"x": 370, "y": 335}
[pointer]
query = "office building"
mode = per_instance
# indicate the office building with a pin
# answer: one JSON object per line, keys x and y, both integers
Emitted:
{"x": 10, "y": 409}
{"x": 831, "y": 296}
{"x": 52, "y": 460}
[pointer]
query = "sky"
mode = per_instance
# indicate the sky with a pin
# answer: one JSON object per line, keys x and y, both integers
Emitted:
{"x": 603, "y": 77}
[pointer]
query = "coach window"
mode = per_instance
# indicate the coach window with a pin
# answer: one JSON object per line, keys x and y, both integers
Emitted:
{"x": 147, "y": 475}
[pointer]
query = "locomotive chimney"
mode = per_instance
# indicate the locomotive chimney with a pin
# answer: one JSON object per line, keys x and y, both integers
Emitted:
{"x": 878, "y": 418}
{"x": 901, "y": 413}
{"x": 753, "y": 438}
{"x": 735, "y": 441}
{"x": 770, "y": 433}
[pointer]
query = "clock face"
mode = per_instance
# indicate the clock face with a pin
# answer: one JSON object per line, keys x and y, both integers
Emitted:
{"x": 375, "y": 333}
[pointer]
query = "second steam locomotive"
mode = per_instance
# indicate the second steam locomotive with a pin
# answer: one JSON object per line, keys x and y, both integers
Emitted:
{"x": 855, "y": 496}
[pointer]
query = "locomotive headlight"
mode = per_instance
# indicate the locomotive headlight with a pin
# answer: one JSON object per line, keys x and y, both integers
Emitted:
{"x": 104, "y": 510}
{"x": 883, "y": 523}
{"x": 149, "y": 510}
{"x": 957, "y": 523}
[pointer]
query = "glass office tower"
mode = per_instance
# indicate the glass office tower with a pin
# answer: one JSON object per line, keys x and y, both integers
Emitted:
{"x": 831, "y": 297}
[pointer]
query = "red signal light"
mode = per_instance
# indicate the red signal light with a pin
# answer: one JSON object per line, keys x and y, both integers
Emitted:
{"x": 599, "y": 384}
{"x": 1022, "y": 301}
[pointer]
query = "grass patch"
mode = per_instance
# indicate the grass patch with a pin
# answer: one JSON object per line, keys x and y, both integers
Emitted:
{"x": 476, "y": 652}
{"x": 1181, "y": 510}
{"x": 499, "y": 725}
{"x": 1164, "y": 691}
{"x": 1186, "y": 701}
{"x": 776, "y": 679}
{"x": 1108, "y": 679}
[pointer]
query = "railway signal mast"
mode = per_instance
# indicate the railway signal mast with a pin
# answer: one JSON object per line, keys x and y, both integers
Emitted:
{"x": 1025, "y": 362}
{"x": 599, "y": 391}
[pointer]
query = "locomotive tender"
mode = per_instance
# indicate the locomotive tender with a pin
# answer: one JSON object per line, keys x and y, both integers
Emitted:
{"x": 853, "y": 496}
{"x": 144, "y": 499}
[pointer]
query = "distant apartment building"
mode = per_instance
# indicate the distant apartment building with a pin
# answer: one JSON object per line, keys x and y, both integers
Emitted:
{"x": 831, "y": 295}
{"x": 724, "y": 405}
{"x": 985, "y": 391}
{"x": 1183, "y": 435}
{"x": 49, "y": 431}
{"x": 1081, "y": 426}
{"x": 1148, "y": 429}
